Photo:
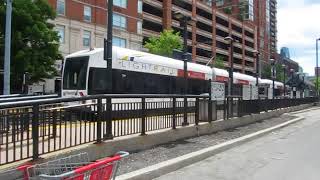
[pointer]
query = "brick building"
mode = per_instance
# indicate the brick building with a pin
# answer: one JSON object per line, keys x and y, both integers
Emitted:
{"x": 206, "y": 33}
{"x": 263, "y": 14}
{"x": 82, "y": 24}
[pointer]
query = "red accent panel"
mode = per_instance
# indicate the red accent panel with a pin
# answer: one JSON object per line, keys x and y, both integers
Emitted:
{"x": 222, "y": 79}
{"x": 192, "y": 74}
{"x": 243, "y": 82}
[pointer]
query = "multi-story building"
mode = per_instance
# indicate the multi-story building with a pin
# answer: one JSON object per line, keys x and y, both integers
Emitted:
{"x": 206, "y": 32}
{"x": 273, "y": 27}
{"x": 284, "y": 52}
{"x": 263, "y": 14}
{"x": 82, "y": 24}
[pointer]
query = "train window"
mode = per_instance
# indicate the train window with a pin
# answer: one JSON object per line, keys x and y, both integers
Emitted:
{"x": 97, "y": 81}
{"x": 197, "y": 86}
{"x": 129, "y": 82}
{"x": 75, "y": 73}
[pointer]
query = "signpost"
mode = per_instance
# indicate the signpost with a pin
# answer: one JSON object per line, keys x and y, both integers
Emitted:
{"x": 246, "y": 92}
{"x": 217, "y": 91}
{"x": 254, "y": 92}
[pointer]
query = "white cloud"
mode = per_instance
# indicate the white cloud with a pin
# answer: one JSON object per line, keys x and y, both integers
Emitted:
{"x": 298, "y": 29}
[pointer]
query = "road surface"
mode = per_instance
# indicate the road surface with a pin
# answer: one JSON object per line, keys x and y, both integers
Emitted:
{"x": 291, "y": 153}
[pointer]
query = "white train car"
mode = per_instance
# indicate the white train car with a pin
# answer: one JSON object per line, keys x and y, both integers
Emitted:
{"x": 133, "y": 72}
{"x": 136, "y": 72}
{"x": 266, "y": 88}
{"x": 244, "y": 85}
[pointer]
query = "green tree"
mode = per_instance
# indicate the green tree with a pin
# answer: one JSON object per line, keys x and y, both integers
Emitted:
{"x": 315, "y": 82}
{"x": 266, "y": 72}
{"x": 35, "y": 46}
{"x": 165, "y": 43}
{"x": 218, "y": 62}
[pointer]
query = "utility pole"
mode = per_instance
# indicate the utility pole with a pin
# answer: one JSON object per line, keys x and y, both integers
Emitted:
{"x": 317, "y": 66}
{"x": 108, "y": 58}
{"x": 184, "y": 24}
{"x": 7, "y": 53}
{"x": 230, "y": 82}
{"x": 108, "y": 46}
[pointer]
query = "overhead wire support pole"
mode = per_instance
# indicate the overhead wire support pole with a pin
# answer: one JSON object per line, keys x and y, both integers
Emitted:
{"x": 317, "y": 66}
{"x": 108, "y": 58}
{"x": 7, "y": 54}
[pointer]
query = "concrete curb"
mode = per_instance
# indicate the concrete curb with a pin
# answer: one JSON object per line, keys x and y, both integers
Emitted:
{"x": 166, "y": 167}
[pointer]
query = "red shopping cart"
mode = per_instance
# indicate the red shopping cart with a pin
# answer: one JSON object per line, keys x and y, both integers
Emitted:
{"x": 75, "y": 167}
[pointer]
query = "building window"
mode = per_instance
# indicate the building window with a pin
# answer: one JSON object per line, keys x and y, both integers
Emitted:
{"x": 139, "y": 27}
{"x": 61, "y": 32}
{"x": 248, "y": 9}
{"x": 119, "y": 21}
{"x": 61, "y": 7}
{"x": 219, "y": 2}
{"x": 87, "y": 13}
{"x": 140, "y": 6}
{"x": 120, "y": 3}
{"x": 120, "y": 42}
{"x": 86, "y": 38}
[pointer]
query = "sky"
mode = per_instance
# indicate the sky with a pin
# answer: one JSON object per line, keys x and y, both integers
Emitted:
{"x": 298, "y": 29}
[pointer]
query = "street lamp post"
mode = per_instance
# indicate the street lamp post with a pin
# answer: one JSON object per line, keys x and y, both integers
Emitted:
{"x": 284, "y": 79}
{"x": 230, "y": 84}
{"x": 302, "y": 86}
{"x": 292, "y": 87}
{"x": 7, "y": 53}
{"x": 256, "y": 53}
{"x": 108, "y": 58}
{"x": 317, "y": 66}
{"x": 273, "y": 76}
{"x": 184, "y": 24}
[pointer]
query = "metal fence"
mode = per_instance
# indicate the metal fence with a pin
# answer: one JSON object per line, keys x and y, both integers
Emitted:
{"x": 33, "y": 128}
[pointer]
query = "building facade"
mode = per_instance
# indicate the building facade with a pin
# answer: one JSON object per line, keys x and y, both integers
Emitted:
{"x": 82, "y": 24}
{"x": 284, "y": 52}
{"x": 206, "y": 32}
{"x": 263, "y": 14}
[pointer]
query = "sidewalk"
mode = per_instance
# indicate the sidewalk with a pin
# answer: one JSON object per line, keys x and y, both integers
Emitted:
{"x": 142, "y": 159}
{"x": 289, "y": 153}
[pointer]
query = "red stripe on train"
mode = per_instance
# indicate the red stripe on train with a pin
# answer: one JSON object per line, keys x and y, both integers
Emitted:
{"x": 243, "y": 82}
{"x": 222, "y": 79}
{"x": 192, "y": 74}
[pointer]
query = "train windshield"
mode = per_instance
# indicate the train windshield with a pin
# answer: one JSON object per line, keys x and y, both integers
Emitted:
{"x": 75, "y": 73}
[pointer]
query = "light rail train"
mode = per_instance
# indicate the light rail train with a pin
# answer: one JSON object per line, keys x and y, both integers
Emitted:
{"x": 135, "y": 72}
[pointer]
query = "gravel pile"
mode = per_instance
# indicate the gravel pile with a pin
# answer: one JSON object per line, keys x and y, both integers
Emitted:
{"x": 141, "y": 159}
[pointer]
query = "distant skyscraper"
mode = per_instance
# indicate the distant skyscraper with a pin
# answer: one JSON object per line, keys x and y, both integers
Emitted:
{"x": 285, "y": 52}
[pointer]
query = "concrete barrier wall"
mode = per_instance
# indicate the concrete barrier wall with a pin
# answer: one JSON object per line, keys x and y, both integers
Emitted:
{"x": 136, "y": 142}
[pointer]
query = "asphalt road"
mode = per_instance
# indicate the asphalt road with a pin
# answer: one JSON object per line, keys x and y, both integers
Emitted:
{"x": 291, "y": 153}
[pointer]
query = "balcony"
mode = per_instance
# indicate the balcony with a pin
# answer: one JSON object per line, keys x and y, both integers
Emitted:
{"x": 154, "y": 3}
{"x": 205, "y": 6}
{"x": 204, "y": 20}
{"x": 152, "y": 17}
{"x": 204, "y": 33}
{"x": 149, "y": 33}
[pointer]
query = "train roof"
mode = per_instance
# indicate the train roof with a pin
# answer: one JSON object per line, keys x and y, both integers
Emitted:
{"x": 244, "y": 77}
{"x": 269, "y": 82}
{"x": 220, "y": 72}
{"x": 161, "y": 60}
{"x": 143, "y": 57}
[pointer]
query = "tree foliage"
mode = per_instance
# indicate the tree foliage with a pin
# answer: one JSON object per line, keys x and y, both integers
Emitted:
{"x": 218, "y": 62}
{"x": 165, "y": 43}
{"x": 266, "y": 72}
{"x": 34, "y": 42}
{"x": 315, "y": 82}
